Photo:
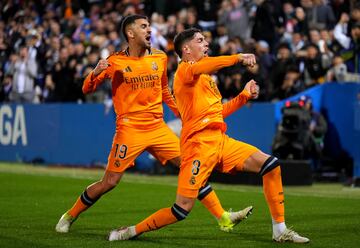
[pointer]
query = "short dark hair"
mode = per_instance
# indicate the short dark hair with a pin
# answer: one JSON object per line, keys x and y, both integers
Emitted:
{"x": 184, "y": 36}
{"x": 311, "y": 44}
{"x": 130, "y": 19}
{"x": 284, "y": 45}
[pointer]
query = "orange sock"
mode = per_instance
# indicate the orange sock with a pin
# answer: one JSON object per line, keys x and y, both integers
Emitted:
{"x": 274, "y": 194}
{"x": 77, "y": 208}
{"x": 159, "y": 219}
{"x": 212, "y": 203}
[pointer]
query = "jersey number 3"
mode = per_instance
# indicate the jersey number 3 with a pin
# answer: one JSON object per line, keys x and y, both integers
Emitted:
{"x": 195, "y": 167}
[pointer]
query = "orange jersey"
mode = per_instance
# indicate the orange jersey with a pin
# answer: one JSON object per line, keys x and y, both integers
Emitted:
{"x": 198, "y": 98}
{"x": 139, "y": 86}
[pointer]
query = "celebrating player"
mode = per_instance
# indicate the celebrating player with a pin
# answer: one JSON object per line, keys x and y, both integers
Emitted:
{"x": 204, "y": 144}
{"x": 139, "y": 86}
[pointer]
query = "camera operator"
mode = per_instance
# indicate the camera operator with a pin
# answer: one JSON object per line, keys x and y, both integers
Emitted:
{"x": 317, "y": 127}
{"x": 301, "y": 132}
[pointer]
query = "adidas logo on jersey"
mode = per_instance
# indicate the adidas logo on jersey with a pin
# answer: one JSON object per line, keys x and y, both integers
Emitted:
{"x": 127, "y": 69}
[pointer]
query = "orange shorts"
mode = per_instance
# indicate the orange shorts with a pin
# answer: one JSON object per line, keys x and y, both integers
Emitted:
{"x": 130, "y": 142}
{"x": 205, "y": 151}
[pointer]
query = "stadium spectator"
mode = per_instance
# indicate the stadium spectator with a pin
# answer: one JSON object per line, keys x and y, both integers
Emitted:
{"x": 297, "y": 42}
{"x": 339, "y": 7}
{"x": 221, "y": 37}
{"x": 139, "y": 123}
{"x": 301, "y": 25}
{"x": 215, "y": 150}
{"x": 48, "y": 93}
{"x": 214, "y": 48}
{"x": 314, "y": 38}
{"x": 267, "y": 24}
{"x": 230, "y": 86}
{"x": 171, "y": 23}
{"x": 291, "y": 85}
{"x": 191, "y": 19}
{"x": 318, "y": 14}
{"x": 254, "y": 73}
{"x": 351, "y": 51}
{"x": 158, "y": 29}
{"x": 331, "y": 46}
{"x": 315, "y": 66}
{"x": 284, "y": 60}
{"x": 236, "y": 20}
{"x": 354, "y": 14}
{"x": 206, "y": 10}
{"x": 23, "y": 70}
{"x": 5, "y": 88}
{"x": 265, "y": 60}
{"x": 289, "y": 22}
{"x": 46, "y": 27}
{"x": 63, "y": 76}
{"x": 338, "y": 71}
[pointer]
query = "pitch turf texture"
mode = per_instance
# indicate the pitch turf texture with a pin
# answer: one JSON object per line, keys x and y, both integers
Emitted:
{"x": 33, "y": 198}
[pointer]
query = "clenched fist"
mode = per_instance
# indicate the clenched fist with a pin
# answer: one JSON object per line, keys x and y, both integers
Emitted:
{"x": 101, "y": 65}
{"x": 252, "y": 88}
{"x": 247, "y": 59}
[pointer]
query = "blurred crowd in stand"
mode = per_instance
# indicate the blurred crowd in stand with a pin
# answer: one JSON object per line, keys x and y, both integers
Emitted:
{"x": 48, "y": 47}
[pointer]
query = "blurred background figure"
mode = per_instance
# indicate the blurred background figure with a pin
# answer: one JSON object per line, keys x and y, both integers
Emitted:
{"x": 5, "y": 88}
{"x": 61, "y": 36}
{"x": 318, "y": 129}
{"x": 301, "y": 132}
{"x": 291, "y": 84}
{"x": 24, "y": 71}
{"x": 236, "y": 19}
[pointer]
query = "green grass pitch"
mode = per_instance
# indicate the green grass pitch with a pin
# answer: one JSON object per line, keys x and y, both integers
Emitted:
{"x": 32, "y": 198}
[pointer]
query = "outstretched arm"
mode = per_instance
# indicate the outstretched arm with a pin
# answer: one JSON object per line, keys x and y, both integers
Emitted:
{"x": 209, "y": 65}
{"x": 96, "y": 76}
{"x": 251, "y": 91}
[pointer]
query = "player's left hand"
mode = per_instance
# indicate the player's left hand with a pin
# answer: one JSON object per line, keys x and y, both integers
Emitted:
{"x": 252, "y": 88}
{"x": 248, "y": 59}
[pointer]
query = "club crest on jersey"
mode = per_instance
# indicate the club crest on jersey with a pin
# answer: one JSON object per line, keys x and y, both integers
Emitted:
{"x": 192, "y": 180}
{"x": 117, "y": 163}
{"x": 154, "y": 66}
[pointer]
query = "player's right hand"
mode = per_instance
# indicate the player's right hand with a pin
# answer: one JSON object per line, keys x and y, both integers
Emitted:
{"x": 247, "y": 59}
{"x": 101, "y": 65}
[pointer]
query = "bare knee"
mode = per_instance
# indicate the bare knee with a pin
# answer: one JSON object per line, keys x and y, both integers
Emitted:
{"x": 182, "y": 207}
{"x": 185, "y": 202}
{"x": 261, "y": 163}
{"x": 255, "y": 162}
{"x": 110, "y": 180}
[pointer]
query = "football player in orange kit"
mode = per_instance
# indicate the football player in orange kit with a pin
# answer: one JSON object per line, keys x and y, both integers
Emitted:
{"x": 204, "y": 144}
{"x": 139, "y": 86}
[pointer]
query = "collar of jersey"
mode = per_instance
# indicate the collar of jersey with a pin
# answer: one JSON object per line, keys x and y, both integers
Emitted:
{"x": 128, "y": 54}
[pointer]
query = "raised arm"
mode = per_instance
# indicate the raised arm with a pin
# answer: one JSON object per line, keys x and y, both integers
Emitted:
{"x": 209, "y": 65}
{"x": 96, "y": 76}
{"x": 167, "y": 97}
{"x": 251, "y": 91}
